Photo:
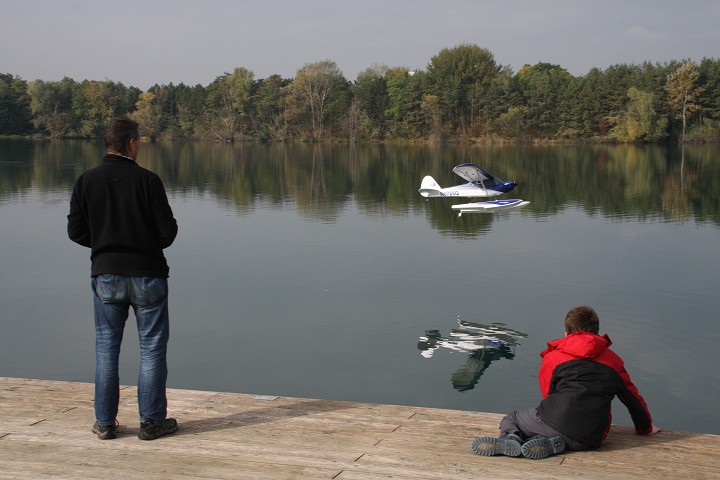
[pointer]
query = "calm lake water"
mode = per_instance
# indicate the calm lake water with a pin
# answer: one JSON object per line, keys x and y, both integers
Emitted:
{"x": 321, "y": 272}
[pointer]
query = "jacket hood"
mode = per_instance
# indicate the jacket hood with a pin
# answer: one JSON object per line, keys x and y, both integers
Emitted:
{"x": 580, "y": 345}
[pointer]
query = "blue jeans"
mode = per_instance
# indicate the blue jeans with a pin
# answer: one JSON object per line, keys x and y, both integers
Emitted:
{"x": 113, "y": 296}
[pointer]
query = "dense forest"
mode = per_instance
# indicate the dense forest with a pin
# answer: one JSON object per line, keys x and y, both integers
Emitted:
{"x": 464, "y": 95}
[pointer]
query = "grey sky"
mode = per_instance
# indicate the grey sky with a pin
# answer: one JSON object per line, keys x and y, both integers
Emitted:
{"x": 143, "y": 42}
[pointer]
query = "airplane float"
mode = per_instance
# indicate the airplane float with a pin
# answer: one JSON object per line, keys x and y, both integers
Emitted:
{"x": 480, "y": 184}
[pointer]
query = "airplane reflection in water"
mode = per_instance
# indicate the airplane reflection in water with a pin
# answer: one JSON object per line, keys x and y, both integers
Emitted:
{"x": 484, "y": 344}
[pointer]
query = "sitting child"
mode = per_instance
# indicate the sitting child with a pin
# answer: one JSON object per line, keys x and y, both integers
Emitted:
{"x": 579, "y": 377}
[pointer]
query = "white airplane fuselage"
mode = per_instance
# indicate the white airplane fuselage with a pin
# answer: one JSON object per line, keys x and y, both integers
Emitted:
{"x": 429, "y": 188}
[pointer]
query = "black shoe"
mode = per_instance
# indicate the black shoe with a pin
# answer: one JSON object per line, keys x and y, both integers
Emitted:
{"x": 150, "y": 430}
{"x": 105, "y": 432}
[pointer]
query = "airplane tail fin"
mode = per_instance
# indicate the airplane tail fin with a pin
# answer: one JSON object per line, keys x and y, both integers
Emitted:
{"x": 429, "y": 187}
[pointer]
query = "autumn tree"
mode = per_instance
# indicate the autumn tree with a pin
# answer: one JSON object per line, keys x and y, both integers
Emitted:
{"x": 683, "y": 92}
{"x": 96, "y": 102}
{"x": 433, "y": 113}
{"x": 641, "y": 121}
{"x": 161, "y": 111}
{"x": 513, "y": 124}
{"x": 148, "y": 114}
{"x": 227, "y": 99}
{"x": 313, "y": 87}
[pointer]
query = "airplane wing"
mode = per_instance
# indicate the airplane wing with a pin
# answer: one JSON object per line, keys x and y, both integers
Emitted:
{"x": 473, "y": 173}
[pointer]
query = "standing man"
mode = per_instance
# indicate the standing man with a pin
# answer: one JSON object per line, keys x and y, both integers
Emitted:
{"x": 121, "y": 212}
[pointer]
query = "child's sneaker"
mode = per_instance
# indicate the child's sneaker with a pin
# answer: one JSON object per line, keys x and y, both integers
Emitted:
{"x": 150, "y": 430}
{"x": 105, "y": 432}
{"x": 538, "y": 448}
{"x": 488, "y": 446}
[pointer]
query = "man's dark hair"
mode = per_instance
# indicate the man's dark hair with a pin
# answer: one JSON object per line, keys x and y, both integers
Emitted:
{"x": 582, "y": 319}
{"x": 118, "y": 133}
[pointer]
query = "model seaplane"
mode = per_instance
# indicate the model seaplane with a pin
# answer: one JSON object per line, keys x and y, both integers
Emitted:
{"x": 480, "y": 184}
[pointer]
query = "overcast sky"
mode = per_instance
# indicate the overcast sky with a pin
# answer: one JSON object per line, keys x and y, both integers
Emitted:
{"x": 143, "y": 42}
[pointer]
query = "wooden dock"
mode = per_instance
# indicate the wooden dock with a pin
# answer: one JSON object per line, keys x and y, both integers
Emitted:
{"x": 45, "y": 433}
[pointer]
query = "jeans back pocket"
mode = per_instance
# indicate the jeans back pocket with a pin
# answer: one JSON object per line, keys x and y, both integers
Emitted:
{"x": 147, "y": 291}
{"x": 108, "y": 289}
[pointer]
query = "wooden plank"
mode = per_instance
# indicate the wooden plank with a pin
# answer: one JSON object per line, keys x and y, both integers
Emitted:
{"x": 45, "y": 433}
{"x": 35, "y": 462}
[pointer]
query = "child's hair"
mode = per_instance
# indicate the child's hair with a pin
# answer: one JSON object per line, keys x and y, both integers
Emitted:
{"x": 582, "y": 319}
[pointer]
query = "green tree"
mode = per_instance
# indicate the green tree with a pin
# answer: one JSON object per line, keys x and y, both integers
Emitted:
{"x": 240, "y": 84}
{"x": 15, "y": 113}
{"x": 396, "y": 80}
{"x": 188, "y": 107}
{"x": 613, "y": 86}
{"x": 570, "y": 112}
{"x": 683, "y": 92}
{"x": 51, "y": 104}
{"x": 405, "y": 115}
{"x": 709, "y": 98}
{"x": 459, "y": 77}
{"x": 160, "y": 110}
{"x": 370, "y": 93}
{"x": 491, "y": 101}
{"x": 267, "y": 107}
{"x": 338, "y": 105}
{"x": 708, "y": 128}
{"x": 544, "y": 87}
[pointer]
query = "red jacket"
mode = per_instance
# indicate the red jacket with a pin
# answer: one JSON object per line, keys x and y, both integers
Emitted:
{"x": 579, "y": 377}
